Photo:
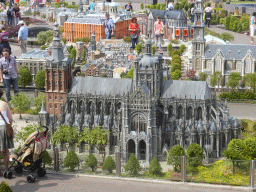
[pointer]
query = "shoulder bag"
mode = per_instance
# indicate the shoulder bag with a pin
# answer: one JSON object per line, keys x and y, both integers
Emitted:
{"x": 9, "y": 128}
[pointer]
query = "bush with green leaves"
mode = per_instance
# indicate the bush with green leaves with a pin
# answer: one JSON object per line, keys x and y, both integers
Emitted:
{"x": 71, "y": 161}
{"x": 21, "y": 103}
{"x": 203, "y": 76}
{"x": 174, "y": 157}
{"x": 129, "y": 74}
{"x": 169, "y": 49}
{"x": 195, "y": 154}
{"x": 45, "y": 36}
{"x": 133, "y": 165}
{"x": 233, "y": 80}
{"x": 5, "y": 187}
{"x": 227, "y": 37}
{"x": 43, "y": 47}
{"x": 86, "y": 40}
{"x": 40, "y": 79}
{"x": 47, "y": 160}
{"x": 64, "y": 40}
{"x": 23, "y": 134}
{"x": 109, "y": 164}
{"x": 250, "y": 80}
{"x": 65, "y": 134}
{"x": 175, "y": 52}
{"x": 91, "y": 162}
{"x": 127, "y": 39}
{"x": 238, "y": 95}
{"x": 215, "y": 78}
{"x": 155, "y": 167}
{"x": 138, "y": 48}
{"x": 182, "y": 49}
{"x": 175, "y": 66}
{"x": 25, "y": 76}
{"x": 142, "y": 5}
{"x": 176, "y": 75}
{"x": 39, "y": 100}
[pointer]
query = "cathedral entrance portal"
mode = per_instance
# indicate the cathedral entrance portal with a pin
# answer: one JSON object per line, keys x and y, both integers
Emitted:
{"x": 131, "y": 147}
{"x": 142, "y": 150}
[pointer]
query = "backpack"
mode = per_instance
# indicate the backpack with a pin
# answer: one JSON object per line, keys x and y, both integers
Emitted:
{"x": 9, "y": 13}
{"x": 17, "y": 14}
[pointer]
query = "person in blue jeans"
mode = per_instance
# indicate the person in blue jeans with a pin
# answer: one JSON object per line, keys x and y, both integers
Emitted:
{"x": 9, "y": 73}
{"x": 108, "y": 25}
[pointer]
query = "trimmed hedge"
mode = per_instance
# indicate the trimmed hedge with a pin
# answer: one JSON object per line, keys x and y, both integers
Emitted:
{"x": 238, "y": 95}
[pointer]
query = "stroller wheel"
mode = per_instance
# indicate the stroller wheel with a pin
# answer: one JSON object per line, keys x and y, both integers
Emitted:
{"x": 18, "y": 169}
{"x": 41, "y": 172}
{"x": 8, "y": 174}
{"x": 31, "y": 178}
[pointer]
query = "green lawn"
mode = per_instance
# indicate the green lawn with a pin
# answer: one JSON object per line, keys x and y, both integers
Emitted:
{"x": 242, "y": 2}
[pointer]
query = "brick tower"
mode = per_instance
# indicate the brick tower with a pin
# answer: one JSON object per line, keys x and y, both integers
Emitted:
{"x": 57, "y": 76}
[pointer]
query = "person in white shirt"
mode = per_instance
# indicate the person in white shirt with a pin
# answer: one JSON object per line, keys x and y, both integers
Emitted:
{"x": 170, "y": 6}
{"x": 208, "y": 14}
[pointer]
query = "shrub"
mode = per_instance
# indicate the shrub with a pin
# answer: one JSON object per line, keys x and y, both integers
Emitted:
{"x": 71, "y": 160}
{"x": 203, "y": 76}
{"x": 129, "y": 74}
{"x": 175, "y": 52}
{"x": 5, "y": 187}
{"x": 127, "y": 39}
{"x": 64, "y": 40}
{"x": 43, "y": 36}
{"x": 244, "y": 124}
{"x": 25, "y": 76}
{"x": 195, "y": 154}
{"x": 182, "y": 49}
{"x": 227, "y": 37}
{"x": 138, "y": 48}
{"x": 46, "y": 158}
{"x": 21, "y": 103}
{"x": 132, "y": 166}
{"x": 22, "y": 135}
{"x": 153, "y": 50}
{"x": 169, "y": 49}
{"x": 43, "y": 47}
{"x": 175, "y": 66}
{"x": 254, "y": 126}
{"x": 109, "y": 164}
{"x": 91, "y": 162}
{"x": 142, "y": 6}
{"x": 176, "y": 75}
{"x": 175, "y": 41}
{"x": 40, "y": 79}
{"x": 174, "y": 157}
{"x": 155, "y": 167}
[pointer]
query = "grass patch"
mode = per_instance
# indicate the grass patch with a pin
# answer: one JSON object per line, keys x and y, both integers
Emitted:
{"x": 247, "y": 129}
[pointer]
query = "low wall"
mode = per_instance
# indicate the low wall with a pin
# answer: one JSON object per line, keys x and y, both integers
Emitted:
{"x": 141, "y": 1}
{"x": 241, "y": 8}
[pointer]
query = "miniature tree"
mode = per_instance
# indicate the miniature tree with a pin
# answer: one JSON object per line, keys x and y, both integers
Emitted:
{"x": 133, "y": 165}
{"x": 104, "y": 75}
{"x": 169, "y": 49}
{"x": 40, "y": 79}
{"x": 23, "y": 134}
{"x": 122, "y": 74}
{"x": 182, "y": 49}
{"x": 64, "y": 40}
{"x": 195, "y": 154}
{"x": 142, "y": 6}
{"x": 155, "y": 167}
{"x": 250, "y": 80}
{"x": 174, "y": 157}
{"x": 176, "y": 75}
{"x": 175, "y": 67}
{"x": 71, "y": 160}
{"x": 25, "y": 76}
{"x": 21, "y": 103}
{"x": 153, "y": 50}
{"x": 46, "y": 158}
{"x": 190, "y": 75}
{"x": 138, "y": 48}
{"x": 5, "y": 187}
{"x": 215, "y": 78}
{"x": 44, "y": 36}
{"x": 227, "y": 37}
{"x": 175, "y": 52}
{"x": 233, "y": 80}
{"x": 109, "y": 164}
{"x": 129, "y": 74}
{"x": 203, "y": 76}
{"x": 91, "y": 162}
{"x": 38, "y": 101}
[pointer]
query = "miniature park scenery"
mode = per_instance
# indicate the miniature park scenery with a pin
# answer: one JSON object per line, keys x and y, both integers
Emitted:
{"x": 144, "y": 113}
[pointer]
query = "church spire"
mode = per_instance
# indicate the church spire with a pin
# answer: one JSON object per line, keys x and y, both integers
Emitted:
{"x": 57, "y": 49}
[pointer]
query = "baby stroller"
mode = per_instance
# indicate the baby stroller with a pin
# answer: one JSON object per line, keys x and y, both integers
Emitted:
{"x": 29, "y": 157}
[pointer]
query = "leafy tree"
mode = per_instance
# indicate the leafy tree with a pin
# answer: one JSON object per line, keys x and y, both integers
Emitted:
{"x": 71, "y": 160}
{"x": 44, "y": 36}
{"x": 155, "y": 167}
{"x": 127, "y": 39}
{"x": 250, "y": 80}
{"x": 176, "y": 75}
{"x": 153, "y": 50}
{"x": 46, "y": 158}
{"x": 91, "y": 162}
{"x": 169, "y": 49}
{"x": 38, "y": 101}
{"x": 227, "y": 36}
{"x": 203, "y": 76}
{"x": 174, "y": 157}
{"x": 104, "y": 75}
{"x": 97, "y": 137}
{"x": 195, "y": 154}
{"x": 73, "y": 53}
{"x": 176, "y": 57}
{"x": 25, "y": 76}
{"x": 109, "y": 164}
{"x": 138, "y": 48}
{"x": 182, "y": 49}
{"x": 23, "y": 134}
{"x": 133, "y": 165}
{"x": 215, "y": 78}
{"x": 122, "y": 74}
{"x": 65, "y": 134}
{"x": 21, "y": 103}
{"x": 175, "y": 52}
{"x": 84, "y": 55}
{"x": 43, "y": 47}
{"x": 5, "y": 187}
{"x": 40, "y": 79}
{"x": 235, "y": 150}
{"x": 233, "y": 80}
{"x": 64, "y": 40}
{"x": 227, "y": 22}
{"x": 129, "y": 74}
{"x": 175, "y": 66}
{"x": 176, "y": 61}
{"x": 142, "y": 6}
{"x": 177, "y": 6}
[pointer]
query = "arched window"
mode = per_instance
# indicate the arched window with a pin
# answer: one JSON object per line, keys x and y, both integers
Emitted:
{"x": 170, "y": 112}
{"x": 247, "y": 65}
{"x": 180, "y": 110}
{"x": 199, "y": 113}
{"x": 189, "y": 113}
{"x": 98, "y": 108}
{"x": 108, "y": 108}
{"x": 139, "y": 123}
{"x": 218, "y": 64}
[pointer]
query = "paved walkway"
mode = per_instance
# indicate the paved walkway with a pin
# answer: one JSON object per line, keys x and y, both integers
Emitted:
{"x": 238, "y": 37}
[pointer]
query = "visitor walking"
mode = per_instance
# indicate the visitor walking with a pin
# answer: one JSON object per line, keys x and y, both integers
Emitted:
{"x": 92, "y": 6}
{"x": 191, "y": 12}
{"x": 170, "y": 6}
{"x": 208, "y": 14}
{"x": 252, "y": 27}
{"x": 159, "y": 31}
{"x": 128, "y": 6}
{"x": 4, "y": 40}
{"x": 22, "y": 37}
{"x": 8, "y": 73}
{"x": 6, "y": 142}
{"x": 134, "y": 29}
{"x": 16, "y": 10}
{"x": 108, "y": 25}
{"x": 9, "y": 15}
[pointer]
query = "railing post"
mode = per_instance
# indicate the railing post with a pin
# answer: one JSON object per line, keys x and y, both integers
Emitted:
{"x": 183, "y": 169}
{"x": 56, "y": 159}
{"x": 252, "y": 173}
{"x": 118, "y": 164}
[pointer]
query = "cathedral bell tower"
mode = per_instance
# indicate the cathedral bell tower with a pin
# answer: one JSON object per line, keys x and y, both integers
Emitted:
{"x": 57, "y": 76}
{"x": 198, "y": 43}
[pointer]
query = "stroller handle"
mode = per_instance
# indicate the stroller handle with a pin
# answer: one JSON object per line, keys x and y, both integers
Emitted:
{"x": 44, "y": 131}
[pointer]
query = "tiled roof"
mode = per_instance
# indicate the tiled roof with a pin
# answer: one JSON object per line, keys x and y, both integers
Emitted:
{"x": 35, "y": 54}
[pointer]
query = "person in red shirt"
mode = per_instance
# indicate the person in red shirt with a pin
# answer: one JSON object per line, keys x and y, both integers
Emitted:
{"x": 134, "y": 29}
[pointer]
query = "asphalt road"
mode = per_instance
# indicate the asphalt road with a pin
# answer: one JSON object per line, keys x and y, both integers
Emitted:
{"x": 68, "y": 183}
